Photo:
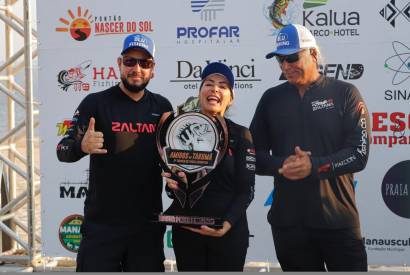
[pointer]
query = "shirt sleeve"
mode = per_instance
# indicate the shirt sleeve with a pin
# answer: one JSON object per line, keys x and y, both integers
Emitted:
{"x": 69, "y": 148}
{"x": 267, "y": 164}
{"x": 167, "y": 106}
{"x": 244, "y": 177}
{"x": 355, "y": 152}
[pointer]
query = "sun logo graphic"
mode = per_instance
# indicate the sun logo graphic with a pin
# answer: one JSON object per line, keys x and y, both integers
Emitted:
{"x": 78, "y": 25}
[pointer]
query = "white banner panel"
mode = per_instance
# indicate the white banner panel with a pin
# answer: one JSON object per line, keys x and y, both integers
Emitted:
{"x": 367, "y": 45}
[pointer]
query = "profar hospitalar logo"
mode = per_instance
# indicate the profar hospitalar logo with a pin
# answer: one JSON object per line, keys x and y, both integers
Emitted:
{"x": 208, "y": 33}
{"x": 208, "y": 9}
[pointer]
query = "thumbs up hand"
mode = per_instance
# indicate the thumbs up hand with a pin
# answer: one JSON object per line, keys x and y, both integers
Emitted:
{"x": 93, "y": 141}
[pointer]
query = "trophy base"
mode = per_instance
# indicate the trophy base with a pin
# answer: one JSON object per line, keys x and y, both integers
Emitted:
{"x": 192, "y": 221}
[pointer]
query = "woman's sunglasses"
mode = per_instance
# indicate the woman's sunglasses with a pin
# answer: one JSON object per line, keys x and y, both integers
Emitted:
{"x": 144, "y": 63}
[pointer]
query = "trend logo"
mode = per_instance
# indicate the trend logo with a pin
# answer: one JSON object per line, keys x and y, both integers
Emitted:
{"x": 313, "y": 3}
{"x": 399, "y": 63}
{"x": 390, "y": 12}
{"x": 78, "y": 25}
{"x": 207, "y": 8}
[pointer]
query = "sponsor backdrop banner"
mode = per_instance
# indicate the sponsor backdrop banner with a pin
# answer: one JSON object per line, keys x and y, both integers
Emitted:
{"x": 367, "y": 45}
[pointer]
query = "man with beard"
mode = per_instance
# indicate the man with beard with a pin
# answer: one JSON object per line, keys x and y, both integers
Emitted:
{"x": 117, "y": 128}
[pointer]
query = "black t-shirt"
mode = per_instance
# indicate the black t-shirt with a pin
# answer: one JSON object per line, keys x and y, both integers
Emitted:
{"x": 332, "y": 122}
{"x": 125, "y": 185}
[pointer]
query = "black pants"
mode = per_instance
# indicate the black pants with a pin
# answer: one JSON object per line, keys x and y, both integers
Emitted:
{"x": 303, "y": 249}
{"x": 195, "y": 252}
{"x": 114, "y": 248}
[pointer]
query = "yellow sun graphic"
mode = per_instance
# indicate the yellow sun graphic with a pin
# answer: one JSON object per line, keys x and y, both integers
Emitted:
{"x": 79, "y": 26}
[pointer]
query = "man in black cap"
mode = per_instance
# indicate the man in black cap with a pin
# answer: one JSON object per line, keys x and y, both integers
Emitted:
{"x": 312, "y": 133}
{"x": 117, "y": 128}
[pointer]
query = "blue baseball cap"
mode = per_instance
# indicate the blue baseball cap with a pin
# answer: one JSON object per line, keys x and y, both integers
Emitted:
{"x": 219, "y": 68}
{"x": 139, "y": 41}
{"x": 292, "y": 39}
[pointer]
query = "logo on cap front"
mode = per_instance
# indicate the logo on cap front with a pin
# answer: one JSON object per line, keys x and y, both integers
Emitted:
{"x": 282, "y": 40}
{"x": 139, "y": 42}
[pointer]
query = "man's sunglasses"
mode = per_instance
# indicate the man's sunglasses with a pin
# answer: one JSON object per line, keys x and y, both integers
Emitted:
{"x": 144, "y": 63}
{"x": 291, "y": 58}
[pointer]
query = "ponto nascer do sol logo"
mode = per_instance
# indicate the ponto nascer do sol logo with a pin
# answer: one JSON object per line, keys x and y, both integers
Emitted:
{"x": 80, "y": 23}
{"x": 69, "y": 232}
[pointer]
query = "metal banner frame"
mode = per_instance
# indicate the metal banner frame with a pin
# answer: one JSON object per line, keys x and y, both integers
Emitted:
{"x": 13, "y": 162}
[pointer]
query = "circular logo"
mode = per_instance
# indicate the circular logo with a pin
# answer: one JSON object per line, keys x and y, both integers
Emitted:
{"x": 80, "y": 29}
{"x": 69, "y": 232}
{"x": 196, "y": 133}
{"x": 395, "y": 189}
{"x": 192, "y": 132}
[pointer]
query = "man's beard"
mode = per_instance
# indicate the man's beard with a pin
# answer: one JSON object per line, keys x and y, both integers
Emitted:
{"x": 133, "y": 88}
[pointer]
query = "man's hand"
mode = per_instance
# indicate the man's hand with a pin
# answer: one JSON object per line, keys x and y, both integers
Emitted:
{"x": 297, "y": 166}
{"x": 208, "y": 231}
{"x": 93, "y": 141}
